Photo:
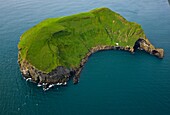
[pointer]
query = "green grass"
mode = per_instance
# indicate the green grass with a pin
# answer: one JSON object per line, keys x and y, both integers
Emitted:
{"x": 64, "y": 41}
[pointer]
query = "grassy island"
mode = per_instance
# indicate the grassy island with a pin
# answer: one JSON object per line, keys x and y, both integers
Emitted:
{"x": 64, "y": 41}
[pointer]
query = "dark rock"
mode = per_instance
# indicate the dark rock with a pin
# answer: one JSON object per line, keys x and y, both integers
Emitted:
{"x": 60, "y": 75}
{"x": 144, "y": 44}
{"x": 158, "y": 52}
{"x": 75, "y": 80}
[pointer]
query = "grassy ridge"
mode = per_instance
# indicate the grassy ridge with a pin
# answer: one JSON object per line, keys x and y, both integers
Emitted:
{"x": 64, "y": 41}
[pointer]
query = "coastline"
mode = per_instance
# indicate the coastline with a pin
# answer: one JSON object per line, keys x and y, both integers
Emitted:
{"x": 61, "y": 74}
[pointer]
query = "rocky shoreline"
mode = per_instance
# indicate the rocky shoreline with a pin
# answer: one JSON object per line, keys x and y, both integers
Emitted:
{"x": 61, "y": 75}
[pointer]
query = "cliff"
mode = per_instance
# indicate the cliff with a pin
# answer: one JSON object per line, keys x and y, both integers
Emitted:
{"x": 57, "y": 48}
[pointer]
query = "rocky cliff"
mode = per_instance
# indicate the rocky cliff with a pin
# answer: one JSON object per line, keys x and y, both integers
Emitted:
{"x": 56, "y": 49}
{"x": 144, "y": 44}
{"x": 61, "y": 75}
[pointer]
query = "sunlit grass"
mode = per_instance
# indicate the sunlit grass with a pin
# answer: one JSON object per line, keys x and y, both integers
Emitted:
{"x": 64, "y": 41}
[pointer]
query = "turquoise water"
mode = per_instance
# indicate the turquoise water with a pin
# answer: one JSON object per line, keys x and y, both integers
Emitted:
{"x": 112, "y": 82}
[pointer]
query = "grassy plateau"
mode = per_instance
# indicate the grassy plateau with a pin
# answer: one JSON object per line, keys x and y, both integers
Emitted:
{"x": 64, "y": 41}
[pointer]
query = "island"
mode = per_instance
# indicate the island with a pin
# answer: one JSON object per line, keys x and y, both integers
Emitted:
{"x": 56, "y": 49}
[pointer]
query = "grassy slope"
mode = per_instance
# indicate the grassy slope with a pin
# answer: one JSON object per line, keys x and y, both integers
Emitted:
{"x": 65, "y": 41}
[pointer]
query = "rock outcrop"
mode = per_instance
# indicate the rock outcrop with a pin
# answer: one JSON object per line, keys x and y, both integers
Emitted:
{"x": 58, "y": 76}
{"x": 57, "y": 48}
{"x": 61, "y": 75}
{"x": 144, "y": 44}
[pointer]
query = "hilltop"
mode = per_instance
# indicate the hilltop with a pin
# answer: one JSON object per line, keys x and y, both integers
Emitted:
{"x": 57, "y": 48}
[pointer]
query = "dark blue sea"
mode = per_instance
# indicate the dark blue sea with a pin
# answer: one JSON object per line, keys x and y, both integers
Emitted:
{"x": 111, "y": 83}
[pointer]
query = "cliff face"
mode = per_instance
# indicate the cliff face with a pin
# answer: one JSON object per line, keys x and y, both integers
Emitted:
{"x": 58, "y": 76}
{"x": 57, "y": 48}
{"x": 61, "y": 75}
{"x": 144, "y": 44}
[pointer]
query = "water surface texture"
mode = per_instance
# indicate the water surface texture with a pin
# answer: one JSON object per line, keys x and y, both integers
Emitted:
{"x": 112, "y": 82}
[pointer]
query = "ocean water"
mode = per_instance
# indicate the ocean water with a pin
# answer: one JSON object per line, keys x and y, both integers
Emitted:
{"x": 112, "y": 82}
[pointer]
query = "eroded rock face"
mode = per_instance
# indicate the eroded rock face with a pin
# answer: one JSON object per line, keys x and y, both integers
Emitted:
{"x": 93, "y": 50}
{"x": 158, "y": 52}
{"x": 144, "y": 44}
{"x": 61, "y": 74}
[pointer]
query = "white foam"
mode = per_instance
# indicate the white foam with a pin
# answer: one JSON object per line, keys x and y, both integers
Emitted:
{"x": 28, "y": 79}
{"x": 39, "y": 85}
{"x": 44, "y": 83}
{"x": 50, "y": 85}
{"x": 59, "y": 83}
{"x": 45, "y": 89}
{"x": 65, "y": 83}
